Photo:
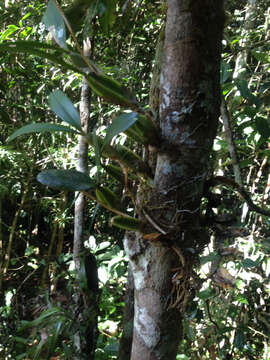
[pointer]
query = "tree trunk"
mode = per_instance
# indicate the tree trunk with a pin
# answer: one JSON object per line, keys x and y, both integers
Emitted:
{"x": 85, "y": 340}
{"x": 163, "y": 261}
{"x": 128, "y": 319}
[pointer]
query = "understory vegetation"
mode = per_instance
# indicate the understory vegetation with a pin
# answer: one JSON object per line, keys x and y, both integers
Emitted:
{"x": 43, "y": 303}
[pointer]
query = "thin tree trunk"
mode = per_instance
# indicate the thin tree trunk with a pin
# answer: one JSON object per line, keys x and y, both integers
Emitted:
{"x": 85, "y": 340}
{"x": 241, "y": 60}
{"x": 226, "y": 119}
{"x": 189, "y": 110}
{"x": 7, "y": 257}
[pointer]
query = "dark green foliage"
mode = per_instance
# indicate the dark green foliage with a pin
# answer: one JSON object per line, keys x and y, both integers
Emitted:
{"x": 233, "y": 322}
{"x": 67, "y": 180}
{"x": 127, "y": 223}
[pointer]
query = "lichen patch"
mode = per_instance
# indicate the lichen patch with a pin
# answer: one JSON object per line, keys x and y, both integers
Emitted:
{"x": 146, "y": 328}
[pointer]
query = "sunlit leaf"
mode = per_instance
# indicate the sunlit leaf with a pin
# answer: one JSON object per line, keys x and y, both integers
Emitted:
{"x": 39, "y": 128}
{"x": 70, "y": 180}
{"x": 120, "y": 124}
{"x": 264, "y": 57}
{"x": 63, "y": 107}
{"x": 54, "y": 22}
{"x": 39, "y": 49}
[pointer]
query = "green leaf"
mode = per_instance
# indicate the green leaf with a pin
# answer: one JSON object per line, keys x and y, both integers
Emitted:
{"x": 240, "y": 339}
{"x": 63, "y": 107}
{"x": 120, "y": 124}
{"x": 242, "y": 86}
{"x": 211, "y": 257}
{"x": 225, "y": 72}
{"x": 39, "y": 128}
{"x": 54, "y": 336}
{"x": 54, "y": 22}
{"x": 206, "y": 294}
{"x": 21, "y": 356}
{"x": 127, "y": 223}
{"x": 111, "y": 90}
{"x": 144, "y": 131}
{"x": 263, "y": 127}
{"x": 39, "y": 49}
{"x": 108, "y": 17}
{"x": 112, "y": 347}
{"x": 264, "y": 57}
{"x": 53, "y": 312}
{"x": 248, "y": 263}
{"x": 70, "y": 180}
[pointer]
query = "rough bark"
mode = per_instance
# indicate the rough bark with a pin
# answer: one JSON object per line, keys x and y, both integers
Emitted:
{"x": 189, "y": 110}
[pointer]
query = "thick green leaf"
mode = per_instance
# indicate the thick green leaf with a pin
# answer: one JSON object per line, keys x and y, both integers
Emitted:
{"x": 144, "y": 131}
{"x": 120, "y": 124}
{"x": 108, "y": 16}
{"x": 39, "y": 128}
{"x": 121, "y": 153}
{"x": 77, "y": 60}
{"x": 70, "y": 180}
{"x": 111, "y": 90}
{"x": 63, "y": 107}
{"x": 242, "y": 86}
{"x": 54, "y": 22}
{"x": 263, "y": 127}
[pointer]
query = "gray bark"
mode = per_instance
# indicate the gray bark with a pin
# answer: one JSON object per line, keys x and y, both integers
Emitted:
{"x": 189, "y": 110}
{"x": 85, "y": 341}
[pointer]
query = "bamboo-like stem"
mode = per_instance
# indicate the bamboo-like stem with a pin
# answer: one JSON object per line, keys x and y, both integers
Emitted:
{"x": 60, "y": 241}
{"x": 6, "y": 261}
{"x": 229, "y": 138}
{"x": 49, "y": 254}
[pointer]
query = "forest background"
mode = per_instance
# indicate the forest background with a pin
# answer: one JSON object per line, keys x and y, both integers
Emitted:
{"x": 44, "y": 309}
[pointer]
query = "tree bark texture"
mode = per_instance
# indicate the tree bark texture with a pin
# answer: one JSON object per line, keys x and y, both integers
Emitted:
{"x": 163, "y": 259}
